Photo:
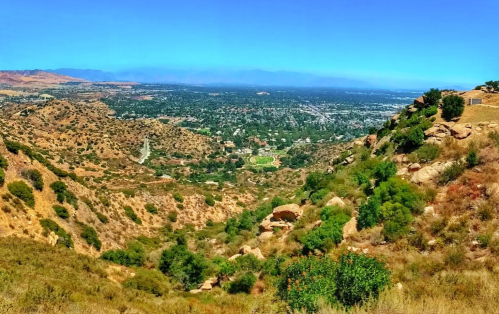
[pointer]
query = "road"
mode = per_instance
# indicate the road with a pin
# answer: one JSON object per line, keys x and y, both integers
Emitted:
{"x": 145, "y": 151}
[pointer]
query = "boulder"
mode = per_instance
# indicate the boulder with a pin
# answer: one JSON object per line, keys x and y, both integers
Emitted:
{"x": 492, "y": 190}
{"x": 195, "y": 291}
{"x": 265, "y": 236}
{"x": 289, "y": 212}
{"x": 395, "y": 120}
{"x": 380, "y": 143}
{"x": 350, "y": 228}
{"x": 370, "y": 140}
{"x": 414, "y": 167}
{"x": 348, "y": 160}
{"x": 460, "y": 132}
{"x": 246, "y": 249}
{"x": 424, "y": 175}
{"x": 53, "y": 238}
{"x": 330, "y": 169}
{"x": 432, "y": 131}
{"x": 233, "y": 257}
{"x": 429, "y": 210}
{"x": 335, "y": 201}
{"x": 419, "y": 101}
{"x": 492, "y": 125}
{"x": 269, "y": 223}
{"x": 208, "y": 284}
{"x": 399, "y": 159}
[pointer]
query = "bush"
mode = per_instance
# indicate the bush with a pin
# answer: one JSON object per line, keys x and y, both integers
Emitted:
{"x": 61, "y": 211}
{"x": 133, "y": 256}
{"x": 472, "y": 159}
{"x": 3, "y": 163}
{"x": 368, "y": 214}
{"x": 35, "y": 177}
{"x": 172, "y": 216}
{"x": 102, "y": 218}
{"x": 396, "y": 218}
{"x": 242, "y": 284}
{"x": 318, "y": 196}
{"x": 248, "y": 262}
{"x": 64, "y": 237}
{"x": 306, "y": 281}
{"x": 90, "y": 236}
{"x": 451, "y": 173}
{"x": 452, "y": 106}
{"x": 277, "y": 201}
{"x": 148, "y": 281}
{"x": 184, "y": 266}
{"x": 396, "y": 190}
{"x": 151, "y": 209}
{"x": 177, "y": 197}
{"x": 385, "y": 170}
{"x": 131, "y": 214}
{"x": 209, "y": 200}
{"x": 360, "y": 278}
{"x": 432, "y": 97}
{"x": 2, "y": 177}
{"x": 315, "y": 181}
{"x": 329, "y": 233}
{"x": 431, "y": 111}
{"x": 23, "y": 191}
{"x": 12, "y": 147}
{"x": 428, "y": 152}
{"x": 414, "y": 137}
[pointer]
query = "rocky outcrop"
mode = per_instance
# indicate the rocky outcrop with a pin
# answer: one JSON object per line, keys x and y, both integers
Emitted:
{"x": 419, "y": 102}
{"x": 208, "y": 284}
{"x": 335, "y": 201}
{"x": 414, "y": 167}
{"x": 395, "y": 120}
{"x": 234, "y": 257}
{"x": 424, "y": 175}
{"x": 370, "y": 140}
{"x": 289, "y": 212}
{"x": 269, "y": 223}
{"x": 460, "y": 131}
{"x": 380, "y": 143}
{"x": 246, "y": 249}
{"x": 350, "y": 228}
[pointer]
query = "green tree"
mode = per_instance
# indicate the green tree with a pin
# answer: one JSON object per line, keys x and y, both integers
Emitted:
{"x": 414, "y": 137}
{"x": 385, "y": 170}
{"x": 242, "y": 284}
{"x": 432, "y": 97}
{"x": 452, "y": 106}
{"x": 134, "y": 255}
{"x": 368, "y": 214}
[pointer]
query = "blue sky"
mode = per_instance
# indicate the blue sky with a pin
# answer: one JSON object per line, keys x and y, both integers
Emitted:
{"x": 386, "y": 40}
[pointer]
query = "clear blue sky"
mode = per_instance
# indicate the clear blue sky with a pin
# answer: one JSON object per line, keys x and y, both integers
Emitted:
{"x": 429, "y": 40}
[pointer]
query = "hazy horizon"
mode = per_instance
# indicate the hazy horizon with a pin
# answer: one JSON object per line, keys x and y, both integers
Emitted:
{"x": 386, "y": 43}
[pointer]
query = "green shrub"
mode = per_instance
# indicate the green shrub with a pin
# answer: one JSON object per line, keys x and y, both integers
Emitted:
{"x": 432, "y": 97}
{"x": 242, "y": 284}
{"x": 315, "y": 181}
{"x": 414, "y": 137}
{"x": 385, "y": 170}
{"x": 396, "y": 218}
{"x": 359, "y": 278}
{"x": 128, "y": 193}
{"x": 209, "y": 200}
{"x": 131, "y": 214}
{"x": 89, "y": 203}
{"x": 452, "y": 106}
{"x": 2, "y": 177}
{"x": 224, "y": 267}
{"x": 472, "y": 159}
{"x": 12, "y": 147}
{"x": 431, "y": 111}
{"x": 134, "y": 255}
{"x": 23, "y": 191}
{"x": 277, "y": 201}
{"x": 428, "y": 152}
{"x": 455, "y": 257}
{"x": 396, "y": 190}
{"x": 172, "y": 216}
{"x": 306, "y": 281}
{"x": 316, "y": 197}
{"x": 368, "y": 214}
{"x": 64, "y": 237}
{"x": 104, "y": 201}
{"x": 329, "y": 233}
{"x": 177, "y": 197}
{"x": 3, "y": 163}
{"x": 248, "y": 262}
{"x": 149, "y": 281}
{"x": 184, "y": 266}
{"x": 102, "y": 217}
{"x": 484, "y": 240}
{"x": 61, "y": 211}
{"x": 35, "y": 177}
{"x": 451, "y": 173}
{"x": 90, "y": 236}
{"x": 151, "y": 209}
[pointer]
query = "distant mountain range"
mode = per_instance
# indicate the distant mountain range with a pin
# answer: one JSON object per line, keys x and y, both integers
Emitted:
{"x": 251, "y": 77}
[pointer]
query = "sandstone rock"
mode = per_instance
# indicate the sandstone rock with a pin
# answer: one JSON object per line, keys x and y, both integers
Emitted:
{"x": 424, "y": 175}
{"x": 492, "y": 190}
{"x": 246, "y": 249}
{"x": 335, "y": 201}
{"x": 414, "y": 167}
{"x": 289, "y": 212}
{"x": 399, "y": 286}
{"x": 269, "y": 223}
{"x": 432, "y": 131}
{"x": 265, "y": 236}
{"x": 478, "y": 128}
{"x": 317, "y": 224}
{"x": 399, "y": 158}
{"x": 195, "y": 291}
{"x": 432, "y": 242}
{"x": 402, "y": 172}
{"x": 53, "y": 238}
{"x": 429, "y": 210}
{"x": 330, "y": 169}
{"x": 492, "y": 125}
{"x": 468, "y": 125}
{"x": 348, "y": 160}
{"x": 419, "y": 101}
{"x": 350, "y": 228}
{"x": 460, "y": 132}
{"x": 380, "y": 143}
{"x": 447, "y": 125}
{"x": 233, "y": 257}
{"x": 395, "y": 120}
{"x": 371, "y": 140}
{"x": 208, "y": 284}
{"x": 413, "y": 110}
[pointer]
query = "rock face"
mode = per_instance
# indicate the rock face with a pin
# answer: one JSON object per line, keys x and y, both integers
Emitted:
{"x": 265, "y": 236}
{"x": 395, "y": 120}
{"x": 419, "y": 102}
{"x": 414, "y": 167}
{"x": 460, "y": 131}
{"x": 424, "y": 175}
{"x": 380, "y": 143}
{"x": 246, "y": 249}
{"x": 350, "y": 228}
{"x": 289, "y": 212}
{"x": 370, "y": 140}
{"x": 335, "y": 201}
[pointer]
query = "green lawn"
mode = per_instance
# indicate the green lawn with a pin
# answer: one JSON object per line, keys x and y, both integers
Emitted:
{"x": 262, "y": 160}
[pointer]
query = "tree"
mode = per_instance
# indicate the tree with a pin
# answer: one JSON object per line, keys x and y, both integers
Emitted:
{"x": 432, "y": 97}
{"x": 472, "y": 159}
{"x": 453, "y": 106}
{"x": 385, "y": 170}
{"x": 414, "y": 137}
{"x": 184, "y": 266}
{"x": 492, "y": 85}
{"x": 314, "y": 181}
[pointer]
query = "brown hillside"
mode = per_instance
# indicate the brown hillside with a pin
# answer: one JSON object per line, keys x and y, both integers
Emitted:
{"x": 34, "y": 78}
